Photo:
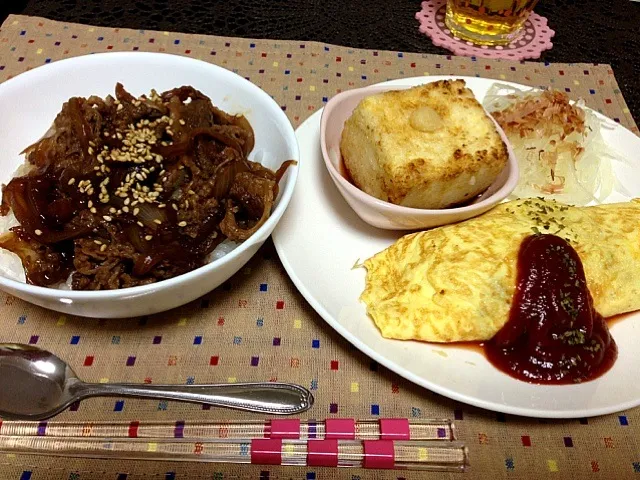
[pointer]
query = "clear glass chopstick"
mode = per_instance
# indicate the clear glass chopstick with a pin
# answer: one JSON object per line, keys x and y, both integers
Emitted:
{"x": 369, "y": 429}
{"x": 406, "y": 455}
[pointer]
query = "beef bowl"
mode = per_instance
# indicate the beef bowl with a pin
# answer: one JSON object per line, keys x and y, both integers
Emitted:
{"x": 134, "y": 183}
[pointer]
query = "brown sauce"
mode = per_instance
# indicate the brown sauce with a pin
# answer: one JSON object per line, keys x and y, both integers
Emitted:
{"x": 477, "y": 347}
{"x": 125, "y": 192}
{"x": 553, "y": 335}
{"x": 611, "y": 321}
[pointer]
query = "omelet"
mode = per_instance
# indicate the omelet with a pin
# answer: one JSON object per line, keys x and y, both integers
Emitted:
{"x": 430, "y": 146}
{"x": 456, "y": 283}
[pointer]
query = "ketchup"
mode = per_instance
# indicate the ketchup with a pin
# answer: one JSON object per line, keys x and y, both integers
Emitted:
{"x": 553, "y": 335}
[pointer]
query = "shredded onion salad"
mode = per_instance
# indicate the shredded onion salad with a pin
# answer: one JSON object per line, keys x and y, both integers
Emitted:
{"x": 558, "y": 144}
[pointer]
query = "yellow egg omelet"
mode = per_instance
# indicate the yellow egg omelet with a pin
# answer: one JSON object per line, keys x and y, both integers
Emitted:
{"x": 456, "y": 283}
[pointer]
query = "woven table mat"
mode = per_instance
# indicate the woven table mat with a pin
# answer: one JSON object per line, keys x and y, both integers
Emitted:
{"x": 257, "y": 327}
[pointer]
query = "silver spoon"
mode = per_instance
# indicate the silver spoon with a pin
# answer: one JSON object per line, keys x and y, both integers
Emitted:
{"x": 35, "y": 385}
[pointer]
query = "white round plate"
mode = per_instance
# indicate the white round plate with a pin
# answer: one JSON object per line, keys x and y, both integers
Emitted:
{"x": 320, "y": 238}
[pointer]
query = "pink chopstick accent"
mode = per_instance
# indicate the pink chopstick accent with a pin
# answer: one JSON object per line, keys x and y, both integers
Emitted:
{"x": 378, "y": 454}
{"x": 284, "y": 428}
{"x": 266, "y": 451}
{"x": 322, "y": 453}
{"x": 340, "y": 428}
{"x": 394, "y": 429}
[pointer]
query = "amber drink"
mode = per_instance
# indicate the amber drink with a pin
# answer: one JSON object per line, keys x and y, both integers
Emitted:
{"x": 488, "y": 22}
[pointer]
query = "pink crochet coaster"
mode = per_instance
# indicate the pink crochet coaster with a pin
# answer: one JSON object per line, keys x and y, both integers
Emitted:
{"x": 536, "y": 36}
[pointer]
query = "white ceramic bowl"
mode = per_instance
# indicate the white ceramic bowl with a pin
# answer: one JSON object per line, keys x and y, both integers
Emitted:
{"x": 30, "y": 102}
{"x": 379, "y": 213}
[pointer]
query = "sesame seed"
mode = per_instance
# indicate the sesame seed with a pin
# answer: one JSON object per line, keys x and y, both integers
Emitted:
{"x": 106, "y": 134}
{"x": 120, "y": 107}
{"x": 140, "y": 224}
{"x": 91, "y": 143}
{"x": 112, "y": 210}
{"x": 71, "y": 181}
{"x": 139, "y": 177}
{"x": 136, "y": 210}
{"x": 38, "y": 232}
{"x": 103, "y": 247}
{"x": 97, "y": 242}
{"x": 90, "y": 150}
{"x": 182, "y": 122}
{"x": 157, "y": 221}
{"x": 107, "y": 218}
{"x": 89, "y": 204}
{"x": 170, "y": 132}
{"x": 93, "y": 210}
{"x": 162, "y": 205}
{"x": 127, "y": 201}
{"x": 148, "y": 237}
{"x": 174, "y": 206}
{"x": 191, "y": 192}
{"x": 182, "y": 224}
{"x": 96, "y": 168}
{"x": 125, "y": 209}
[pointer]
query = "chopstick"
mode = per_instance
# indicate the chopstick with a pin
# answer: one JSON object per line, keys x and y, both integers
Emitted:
{"x": 337, "y": 428}
{"x": 378, "y": 454}
{"x": 386, "y": 443}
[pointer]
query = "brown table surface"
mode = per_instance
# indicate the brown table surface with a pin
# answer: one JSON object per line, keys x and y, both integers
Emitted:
{"x": 257, "y": 326}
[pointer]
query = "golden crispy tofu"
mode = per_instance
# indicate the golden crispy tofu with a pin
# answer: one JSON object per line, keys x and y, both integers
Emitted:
{"x": 430, "y": 146}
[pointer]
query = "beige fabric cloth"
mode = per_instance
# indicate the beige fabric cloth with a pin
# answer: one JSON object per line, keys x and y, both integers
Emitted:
{"x": 260, "y": 314}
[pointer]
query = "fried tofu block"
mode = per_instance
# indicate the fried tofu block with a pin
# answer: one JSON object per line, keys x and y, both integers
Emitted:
{"x": 431, "y": 146}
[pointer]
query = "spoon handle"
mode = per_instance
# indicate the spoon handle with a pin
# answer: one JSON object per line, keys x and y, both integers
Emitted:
{"x": 269, "y": 397}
